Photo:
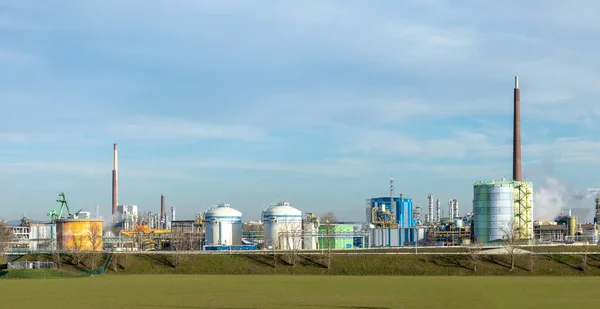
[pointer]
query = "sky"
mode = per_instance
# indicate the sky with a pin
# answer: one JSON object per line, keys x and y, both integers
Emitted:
{"x": 317, "y": 102}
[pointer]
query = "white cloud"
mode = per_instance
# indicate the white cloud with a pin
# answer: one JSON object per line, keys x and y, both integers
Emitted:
{"x": 157, "y": 128}
{"x": 572, "y": 150}
{"x": 466, "y": 145}
{"x": 88, "y": 170}
{"x": 342, "y": 167}
{"x": 20, "y": 138}
{"x": 457, "y": 145}
{"x": 83, "y": 169}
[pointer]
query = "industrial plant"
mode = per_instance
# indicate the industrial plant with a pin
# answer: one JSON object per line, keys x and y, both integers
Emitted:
{"x": 501, "y": 208}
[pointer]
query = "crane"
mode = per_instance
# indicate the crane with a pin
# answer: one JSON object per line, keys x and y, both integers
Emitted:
{"x": 57, "y": 213}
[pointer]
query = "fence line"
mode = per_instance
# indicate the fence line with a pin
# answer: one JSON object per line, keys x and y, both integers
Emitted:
{"x": 30, "y": 265}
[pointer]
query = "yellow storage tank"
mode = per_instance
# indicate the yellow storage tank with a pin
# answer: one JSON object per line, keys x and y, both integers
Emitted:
{"x": 571, "y": 225}
{"x": 79, "y": 234}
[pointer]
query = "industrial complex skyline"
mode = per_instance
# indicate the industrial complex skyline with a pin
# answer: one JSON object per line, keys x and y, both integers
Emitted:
{"x": 259, "y": 102}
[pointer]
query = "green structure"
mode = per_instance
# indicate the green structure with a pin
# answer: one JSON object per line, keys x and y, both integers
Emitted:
{"x": 336, "y": 236}
{"x": 502, "y": 206}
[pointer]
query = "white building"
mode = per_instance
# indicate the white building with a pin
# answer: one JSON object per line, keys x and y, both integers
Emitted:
{"x": 283, "y": 226}
{"x": 223, "y": 226}
{"x": 128, "y": 216}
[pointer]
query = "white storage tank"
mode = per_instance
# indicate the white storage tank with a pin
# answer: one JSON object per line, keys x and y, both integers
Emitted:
{"x": 223, "y": 226}
{"x": 493, "y": 209}
{"x": 283, "y": 226}
{"x": 311, "y": 231}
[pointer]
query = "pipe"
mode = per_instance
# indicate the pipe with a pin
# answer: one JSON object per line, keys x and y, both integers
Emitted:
{"x": 438, "y": 210}
{"x": 517, "y": 132}
{"x": 430, "y": 213}
{"x": 163, "y": 214}
{"x": 115, "y": 182}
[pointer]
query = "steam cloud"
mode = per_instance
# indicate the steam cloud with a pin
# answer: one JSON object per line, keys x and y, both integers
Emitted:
{"x": 554, "y": 196}
{"x": 550, "y": 199}
{"x": 591, "y": 193}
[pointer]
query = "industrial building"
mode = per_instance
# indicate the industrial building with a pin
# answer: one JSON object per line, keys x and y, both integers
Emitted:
{"x": 390, "y": 221}
{"x": 450, "y": 232}
{"x": 187, "y": 226}
{"x": 282, "y": 226}
{"x": 597, "y": 217}
{"x": 79, "y": 233}
{"x": 33, "y": 237}
{"x": 566, "y": 229}
{"x": 549, "y": 232}
{"x": 342, "y": 235}
{"x": 223, "y": 226}
{"x": 127, "y": 216}
{"x": 387, "y": 211}
{"x": 500, "y": 207}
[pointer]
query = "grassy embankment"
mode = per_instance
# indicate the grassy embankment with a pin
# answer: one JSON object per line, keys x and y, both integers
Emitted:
{"x": 359, "y": 265}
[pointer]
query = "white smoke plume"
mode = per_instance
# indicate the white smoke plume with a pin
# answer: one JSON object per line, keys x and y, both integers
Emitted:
{"x": 549, "y": 199}
{"x": 589, "y": 194}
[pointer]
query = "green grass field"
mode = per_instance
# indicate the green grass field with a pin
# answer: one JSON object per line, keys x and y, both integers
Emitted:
{"x": 306, "y": 292}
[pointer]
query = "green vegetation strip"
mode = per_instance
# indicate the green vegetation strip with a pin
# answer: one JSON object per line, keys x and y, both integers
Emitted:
{"x": 306, "y": 292}
{"x": 324, "y": 264}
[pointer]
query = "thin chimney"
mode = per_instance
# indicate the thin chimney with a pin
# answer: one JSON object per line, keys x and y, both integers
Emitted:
{"x": 517, "y": 133}
{"x": 115, "y": 183}
{"x": 163, "y": 214}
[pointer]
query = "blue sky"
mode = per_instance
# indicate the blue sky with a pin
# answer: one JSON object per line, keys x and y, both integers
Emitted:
{"x": 314, "y": 102}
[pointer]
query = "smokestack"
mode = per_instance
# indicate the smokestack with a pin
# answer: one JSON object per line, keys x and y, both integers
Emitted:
{"x": 517, "y": 133}
{"x": 115, "y": 183}
{"x": 163, "y": 214}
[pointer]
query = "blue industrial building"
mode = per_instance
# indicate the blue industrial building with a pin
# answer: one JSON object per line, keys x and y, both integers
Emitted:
{"x": 396, "y": 237}
{"x": 402, "y": 212}
{"x": 391, "y": 222}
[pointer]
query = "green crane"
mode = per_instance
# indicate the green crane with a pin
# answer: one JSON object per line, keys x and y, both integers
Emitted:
{"x": 57, "y": 213}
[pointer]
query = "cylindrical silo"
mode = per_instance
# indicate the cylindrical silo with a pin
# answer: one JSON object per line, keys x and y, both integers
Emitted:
{"x": 283, "y": 226}
{"x": 571, "y": 225}
{"x": 79, "y": 234}
{"x": 223, "y": 226}
{"x": 493, "y": 208}
{"x": 501, "y": 210}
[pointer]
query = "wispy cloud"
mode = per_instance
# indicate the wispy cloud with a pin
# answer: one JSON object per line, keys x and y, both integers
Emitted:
{"x": 457, "y": 145}
{"x": 156, "y": 128}
{"x": 20, "y": 138}
{"x": 94, "y": 170}
{"x": 573, "y": 150}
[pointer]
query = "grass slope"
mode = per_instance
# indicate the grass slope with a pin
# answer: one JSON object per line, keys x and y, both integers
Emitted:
{"x": 356, "y": 265}
{"x": 307, "y": 292}
{"x": 39, "y": 273}
{"x": 564, "y": 265}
